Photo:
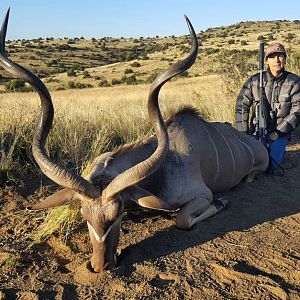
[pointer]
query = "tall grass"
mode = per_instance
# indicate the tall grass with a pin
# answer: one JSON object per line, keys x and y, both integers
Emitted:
{"x": 89, "y": 122}
{"x": 293, "y": 62}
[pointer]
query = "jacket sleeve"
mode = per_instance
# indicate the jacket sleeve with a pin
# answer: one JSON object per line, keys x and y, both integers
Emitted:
{"x": 291, "y": 121}
{"x": 243, "y": 104}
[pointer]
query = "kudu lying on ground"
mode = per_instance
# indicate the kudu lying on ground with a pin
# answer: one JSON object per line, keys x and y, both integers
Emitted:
{"x": 177, "y": 169}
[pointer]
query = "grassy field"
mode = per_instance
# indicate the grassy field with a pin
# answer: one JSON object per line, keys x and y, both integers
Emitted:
{"x": 91, "y": 121}
{"x": 100, "y": 86}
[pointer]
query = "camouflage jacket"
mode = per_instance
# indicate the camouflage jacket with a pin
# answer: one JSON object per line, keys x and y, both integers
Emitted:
{"x": 283, "y": 95}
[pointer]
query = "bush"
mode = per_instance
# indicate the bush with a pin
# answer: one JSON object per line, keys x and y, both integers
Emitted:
{"x": 78, "y": 85}
{"x": 86, "y": 74}
{"x": 71, "y": 85}
{"x": 261, "y": 38}
{"x": 115, "y": 81}
{"x": 103, "y": 83}
{"x": 289, "y": 37}
{"x": 71, "y": 73}
{"x": 209, "y": 51}
{"x": 17, "y": 85}
{"x": 78, "y": 67}
{"x": 130, "y": 80}
{"x": 128, "y": 71}
{"x": 135, "y": 64}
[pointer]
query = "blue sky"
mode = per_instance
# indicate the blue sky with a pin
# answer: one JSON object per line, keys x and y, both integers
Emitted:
{"x": 135, "y": 18}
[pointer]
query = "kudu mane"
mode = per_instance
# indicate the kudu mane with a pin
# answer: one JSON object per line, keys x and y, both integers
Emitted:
{"x": 175, "y": 113}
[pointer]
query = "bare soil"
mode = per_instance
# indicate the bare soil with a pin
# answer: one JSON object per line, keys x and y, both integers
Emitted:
{"x": 251, "y": 250}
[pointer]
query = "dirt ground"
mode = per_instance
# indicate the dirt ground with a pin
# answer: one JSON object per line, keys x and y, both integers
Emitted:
{"x": 251, "y": 250}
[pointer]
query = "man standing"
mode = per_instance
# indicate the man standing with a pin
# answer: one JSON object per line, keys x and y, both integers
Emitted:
{"x": 282, "y": 96}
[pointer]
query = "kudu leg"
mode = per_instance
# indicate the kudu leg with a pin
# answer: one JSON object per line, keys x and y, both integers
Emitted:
{"x": 187, "y": 216}
{"x": 198, "y": 209}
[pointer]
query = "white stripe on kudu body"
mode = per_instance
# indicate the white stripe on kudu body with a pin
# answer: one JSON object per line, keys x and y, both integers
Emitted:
{"x": 250, "y": 150}
{"x": 229, "y": 148}
{"x": 216, "y": 151}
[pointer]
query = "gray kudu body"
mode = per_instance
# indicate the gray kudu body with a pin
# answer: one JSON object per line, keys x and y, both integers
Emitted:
{"x": 177, "y": 169}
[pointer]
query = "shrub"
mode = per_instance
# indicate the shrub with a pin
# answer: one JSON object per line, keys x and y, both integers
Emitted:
{"x": 261, "y": 38}
{"x": 103, "y": 83}
{"x": 289, "y": 37}
{"x": 128, "y": 71}
{"x": 17, "y": 85}
{"x": 14, "y": 85}
{"x": 78, "y": 85}
{"x": 71, "y": 85}
{"x": 211, "y": 50}
{"x": 130, "y": 80}
{"x": 78, "y": 67}
{"x": 71, "y": 73}
{"x": 135, "y": 64}
{"x": 115, "y": 81}
{"x": 86, "y": 74}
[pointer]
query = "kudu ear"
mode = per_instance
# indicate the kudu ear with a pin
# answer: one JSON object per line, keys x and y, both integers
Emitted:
{"x": 63, "y": 197}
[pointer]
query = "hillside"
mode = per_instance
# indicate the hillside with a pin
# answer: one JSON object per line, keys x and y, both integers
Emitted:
{"x": 80, "y": 63}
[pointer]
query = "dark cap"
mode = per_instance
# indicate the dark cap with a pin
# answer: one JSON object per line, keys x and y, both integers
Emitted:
{"x": 274, "y": 48}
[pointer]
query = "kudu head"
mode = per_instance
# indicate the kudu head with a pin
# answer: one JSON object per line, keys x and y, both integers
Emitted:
{"x": 101, "y": 206}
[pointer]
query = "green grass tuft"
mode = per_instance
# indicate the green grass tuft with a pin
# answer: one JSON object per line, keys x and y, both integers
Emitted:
{"x": 63, "y": 219}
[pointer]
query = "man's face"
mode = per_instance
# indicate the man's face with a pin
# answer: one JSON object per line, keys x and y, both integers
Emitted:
{"x": 276, "y": 62}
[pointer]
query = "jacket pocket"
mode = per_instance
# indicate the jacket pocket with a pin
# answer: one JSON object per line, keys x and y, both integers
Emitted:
{"x": 284, "y": 105}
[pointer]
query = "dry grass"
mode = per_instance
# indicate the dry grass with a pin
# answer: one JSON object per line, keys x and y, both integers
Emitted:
{"x": 88, "y": 122}
{"x": 63, "y": 218}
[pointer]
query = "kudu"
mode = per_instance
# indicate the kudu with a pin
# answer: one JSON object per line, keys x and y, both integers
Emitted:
{"x": 177, "y": 169}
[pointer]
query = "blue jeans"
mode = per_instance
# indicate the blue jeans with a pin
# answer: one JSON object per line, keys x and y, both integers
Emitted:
{"x": 276, "y": 152}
